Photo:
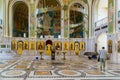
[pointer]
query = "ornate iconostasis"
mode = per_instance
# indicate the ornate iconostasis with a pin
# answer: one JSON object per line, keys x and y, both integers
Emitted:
{"x": 47, "y": 46}
{"x": 47, "y": 19}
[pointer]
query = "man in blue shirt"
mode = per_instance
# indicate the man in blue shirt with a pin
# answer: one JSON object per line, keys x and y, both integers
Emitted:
{"x": 103, "y": 57}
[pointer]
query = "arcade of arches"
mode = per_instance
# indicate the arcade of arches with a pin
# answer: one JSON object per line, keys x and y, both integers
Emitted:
{"x": 52, "y": 39}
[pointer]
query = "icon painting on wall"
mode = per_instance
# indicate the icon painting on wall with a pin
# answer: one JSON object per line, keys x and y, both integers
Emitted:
{"x": 71, "y": 45}
{"x": 32, "y": 45}
{"x": 40, "y": 45}
{"x": 14, "y": 45}
{"x": 57, "y": 45}
{"x": 25, "y": 45}
{"x": 65, "y": 45}
{"x": 76, "y": 48}
{"x": 118, "y": 49}
{"x": 110, "y": 46}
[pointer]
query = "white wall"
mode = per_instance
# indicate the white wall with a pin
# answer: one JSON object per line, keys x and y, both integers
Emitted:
{"x": 102, "y": 9}
{"x": 118, "y": 17}
{"x": 1, "y": 9}
{"x": 118, "y": 5}
{"x": 102, "y": 41}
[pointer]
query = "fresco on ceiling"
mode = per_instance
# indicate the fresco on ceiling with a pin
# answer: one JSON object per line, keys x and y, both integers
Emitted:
{"x": 20, "y": 20}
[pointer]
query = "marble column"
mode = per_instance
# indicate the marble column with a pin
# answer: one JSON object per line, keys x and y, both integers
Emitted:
{"x": 112, "y": 29}
{"x": 90, "y": 39}
{"x": 62, "y": 23}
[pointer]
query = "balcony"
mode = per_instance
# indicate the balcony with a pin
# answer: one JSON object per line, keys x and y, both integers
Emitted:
{"x": 101, "y": 24}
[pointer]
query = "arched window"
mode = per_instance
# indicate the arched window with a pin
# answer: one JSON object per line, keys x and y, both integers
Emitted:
{"x": 20, "y": 20}
{"x": 77, "y": 20}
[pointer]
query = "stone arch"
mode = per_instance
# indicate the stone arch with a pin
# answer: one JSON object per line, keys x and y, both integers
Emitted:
{"x": 101, "y": 41}
{"x": 78, "y": 13}
{"x": 80, "y": 2}
{"x": 11, "y": 5}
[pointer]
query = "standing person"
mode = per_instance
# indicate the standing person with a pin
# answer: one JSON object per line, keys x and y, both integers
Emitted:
{"x": 103, "y": 57}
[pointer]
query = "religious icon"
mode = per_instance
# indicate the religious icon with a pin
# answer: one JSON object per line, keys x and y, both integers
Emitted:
{"x": 25, "y": 45}
{"x": 57, "y": 47}
{"x": 20, "y": 47}
{"x": 65, "y": 46}
{"x": 110, "y": 46}
{"x": 71, "y": 45}
{"x": 76, "y": 48}
{"x": 32, "y": 45}
{"x": 14, "y": 45}
{"x": 81, "y": 45}
{"x": 118, "y": 46}
{"x": 40, "y": 46}
{"x": 48, "y": 49}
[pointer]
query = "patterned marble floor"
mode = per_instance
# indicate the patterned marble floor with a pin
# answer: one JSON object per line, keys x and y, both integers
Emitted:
{"x": 73, "y": 68}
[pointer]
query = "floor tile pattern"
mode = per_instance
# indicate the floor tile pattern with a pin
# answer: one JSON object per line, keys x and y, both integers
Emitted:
{"x": 73, "y": 68}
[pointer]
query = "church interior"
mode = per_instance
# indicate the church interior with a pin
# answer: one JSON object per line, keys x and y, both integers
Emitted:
{"x": 59, "y": 39}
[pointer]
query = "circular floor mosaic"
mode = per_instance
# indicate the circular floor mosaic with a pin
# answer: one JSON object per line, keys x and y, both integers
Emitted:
{"x": 13, "y": 73}
{"x": 70, "y": 73}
